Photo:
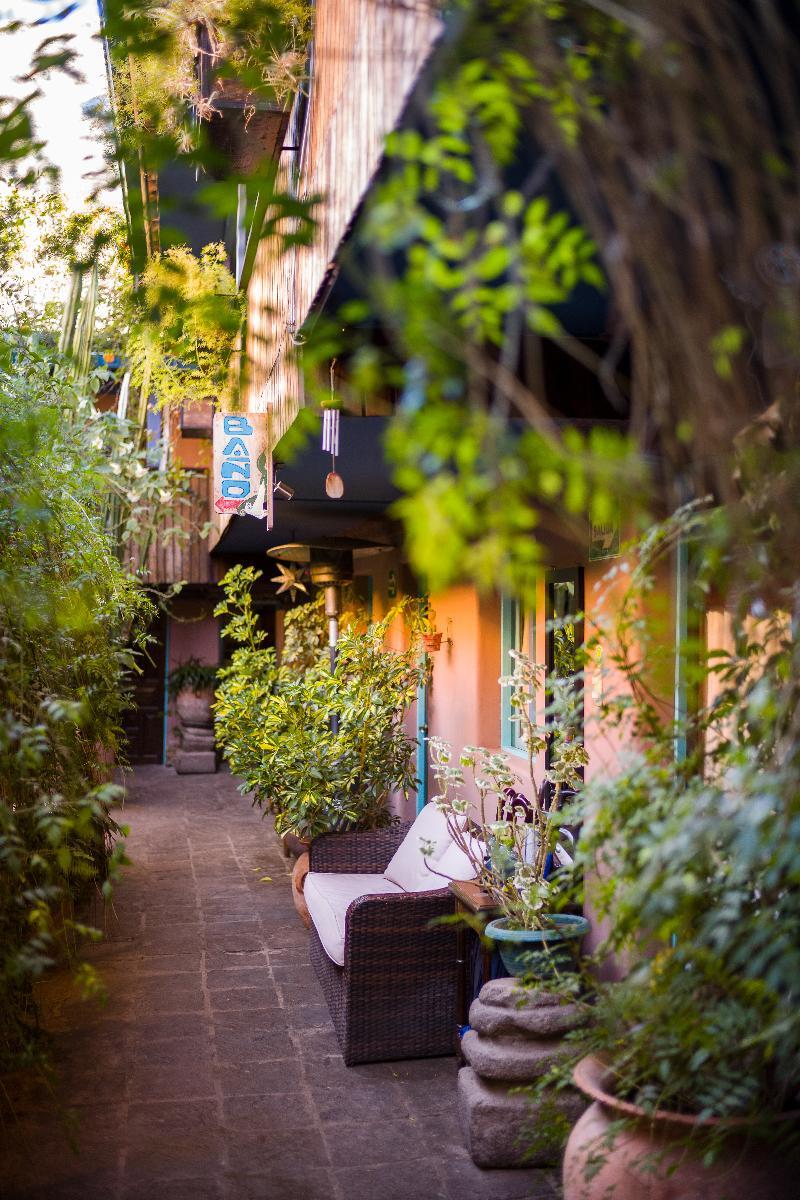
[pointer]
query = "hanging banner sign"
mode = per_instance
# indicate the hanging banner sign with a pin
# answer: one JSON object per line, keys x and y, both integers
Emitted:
{"x": 243, "y": 465}
{"x": 604, "y": 539}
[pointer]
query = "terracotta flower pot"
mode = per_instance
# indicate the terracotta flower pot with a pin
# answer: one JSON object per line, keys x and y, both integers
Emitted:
{"x": 299, "y": 873}
{"x": 652, "y": 1159}
{"x": 294, "y": 846}
{"x": 194, "y": 708}
{"x": 431, "y": 642}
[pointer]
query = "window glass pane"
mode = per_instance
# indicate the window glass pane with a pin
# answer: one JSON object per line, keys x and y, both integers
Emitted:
{"x": 516, "y": 634}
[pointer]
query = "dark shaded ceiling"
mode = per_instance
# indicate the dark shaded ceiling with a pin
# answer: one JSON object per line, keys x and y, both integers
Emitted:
{"x": 310, "y": 515}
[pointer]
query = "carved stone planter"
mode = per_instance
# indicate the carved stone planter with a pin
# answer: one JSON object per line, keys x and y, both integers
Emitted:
{"x": 516, "y": 1036}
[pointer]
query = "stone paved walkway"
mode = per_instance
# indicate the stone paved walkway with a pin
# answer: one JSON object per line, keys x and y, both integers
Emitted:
{"x": 213, "y": 1072}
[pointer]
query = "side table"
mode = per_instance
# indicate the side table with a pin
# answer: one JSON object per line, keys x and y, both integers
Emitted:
{"x": 470, "y": 898}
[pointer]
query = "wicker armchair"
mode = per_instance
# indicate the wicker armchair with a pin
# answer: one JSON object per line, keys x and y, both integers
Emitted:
{"x": 395, "y": 995}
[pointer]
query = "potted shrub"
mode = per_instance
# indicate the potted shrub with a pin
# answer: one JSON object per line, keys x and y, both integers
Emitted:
{"x": 692, "y": 1058}
{"x": 276, "y": 731}
{"x": 682, "y": 1104}
{"x": 192, "y": 686}
{"x": 518, "y": 847}
{"x": 421, "y": 621}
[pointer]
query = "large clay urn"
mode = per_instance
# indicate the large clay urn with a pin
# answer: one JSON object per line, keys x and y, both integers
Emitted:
{"x": 194, "y": 708}
{"x": 653, "y": 1157}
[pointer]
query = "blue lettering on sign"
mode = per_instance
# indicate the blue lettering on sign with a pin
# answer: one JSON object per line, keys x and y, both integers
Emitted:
{"x": 236, "y": 466}
{"x": 233, "y": 490}
{"x": 232, "y": 424}
{"x": 236, "y": 448}
{"x": 236, "y": 470}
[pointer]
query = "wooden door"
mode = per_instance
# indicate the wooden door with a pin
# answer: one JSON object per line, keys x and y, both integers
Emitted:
{"x": 144, "y": 722}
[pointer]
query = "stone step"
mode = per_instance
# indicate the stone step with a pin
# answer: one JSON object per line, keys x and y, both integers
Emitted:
{"x": 526, "y": 1020}
{"x": 512, "y": 1059}
{"x": 508, "y": 992}
{"x": 505, "y": 1129}
{"x": 195, "y": 762}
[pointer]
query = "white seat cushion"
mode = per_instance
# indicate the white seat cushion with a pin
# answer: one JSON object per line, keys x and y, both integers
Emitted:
{"x": 329, "y": 895}
{"x": 408, "y": 864}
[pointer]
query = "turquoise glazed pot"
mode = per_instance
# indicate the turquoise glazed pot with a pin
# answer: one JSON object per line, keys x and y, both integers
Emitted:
{"x": 543, "y": 953}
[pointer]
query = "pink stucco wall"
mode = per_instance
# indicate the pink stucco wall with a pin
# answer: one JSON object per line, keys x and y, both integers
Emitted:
{"x": 193, "y": 633}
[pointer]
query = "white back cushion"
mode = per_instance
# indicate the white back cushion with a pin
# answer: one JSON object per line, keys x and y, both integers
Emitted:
{"x": 408, "y": 865}
{"x": 455, "y": 864}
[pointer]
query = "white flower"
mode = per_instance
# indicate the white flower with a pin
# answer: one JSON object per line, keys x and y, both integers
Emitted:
{"x": 116, "y": 469}
{"x": 132, "y": 496}
{"x": 96, "y": 443}
{"x": 164, "y": 496}
{"x": 140, "y": 470}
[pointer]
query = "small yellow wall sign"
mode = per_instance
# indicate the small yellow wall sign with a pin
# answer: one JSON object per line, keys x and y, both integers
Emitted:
{"x": 242, "y": 482}
{"x": 604, "y": 539}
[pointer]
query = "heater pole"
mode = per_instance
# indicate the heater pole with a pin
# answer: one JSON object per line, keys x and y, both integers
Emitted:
{"x": 332, "y": 613}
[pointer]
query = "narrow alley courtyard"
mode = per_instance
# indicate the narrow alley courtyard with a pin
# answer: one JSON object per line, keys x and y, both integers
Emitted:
{"x": 213, "y": 1070}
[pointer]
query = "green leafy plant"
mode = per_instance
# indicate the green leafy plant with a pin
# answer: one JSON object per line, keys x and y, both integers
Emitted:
{"x": 189, "y": 318}
{"x": 520, "y": 863}
{"x": 192, "y": 676}
{"x": 305, "y": 629}
{"x": 277, "y": 731}
{"x": 691, "y": 846}
{"x": 71, "y": 619}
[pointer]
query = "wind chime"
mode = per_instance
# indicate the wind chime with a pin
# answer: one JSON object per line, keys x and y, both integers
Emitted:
{"x": 334, "y": 484}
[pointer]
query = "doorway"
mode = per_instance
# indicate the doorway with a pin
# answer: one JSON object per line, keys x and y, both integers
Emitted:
{"x": 143, "y": 722}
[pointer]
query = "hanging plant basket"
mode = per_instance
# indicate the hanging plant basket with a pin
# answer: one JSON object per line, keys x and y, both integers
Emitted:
{"x": 245, "y": 133}
{"x": 431, "y": 642}
{"x": 245, "y": 129}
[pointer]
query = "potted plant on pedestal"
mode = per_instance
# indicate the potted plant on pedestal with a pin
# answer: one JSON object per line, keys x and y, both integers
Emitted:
{"x": 192, "y": 687}
{"x": 313, "y": 773}
{"x": 518, "y": 847}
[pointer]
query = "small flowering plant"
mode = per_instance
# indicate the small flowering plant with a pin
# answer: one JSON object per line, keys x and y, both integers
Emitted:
{"x": 515, "y": 843}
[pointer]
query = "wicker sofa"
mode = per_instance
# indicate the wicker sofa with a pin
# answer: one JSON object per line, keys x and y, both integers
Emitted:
{"x": 393, "y": 994}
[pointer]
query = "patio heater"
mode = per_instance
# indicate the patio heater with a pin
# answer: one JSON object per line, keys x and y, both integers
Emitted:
{"x": 329, "y": 563}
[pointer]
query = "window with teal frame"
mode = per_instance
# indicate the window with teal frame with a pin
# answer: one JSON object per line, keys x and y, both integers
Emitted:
{"x": 516, "y": 633}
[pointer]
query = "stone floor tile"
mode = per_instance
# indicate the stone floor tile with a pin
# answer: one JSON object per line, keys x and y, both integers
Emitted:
{"x": 172, "y": 1052}
{"x": 372, "y": 1142}
{"x": 171, "y": 1082}
{"x": 175, "y": 1189}
{"x": 253, "y": 1079}
{"x": 234, "y": 1046}
{"x": 268, "y": 1113}
{"x": 85, "y": 1182}
{"x": 465, "y": 1179}
{"x": 170, "y": 1026}
{"x": 244, "y": 977}
{"x": 248, "y": 999}
{"x": 350, "y": 1101}
{"x": 213, "y": 1072}
{"x": 221, "y": 959}
{"x": 166, "y": 964}
{"x": 281, "y": 1151}
{"x": 299, "y": 1183}
{"x": 398, "y": 1181}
